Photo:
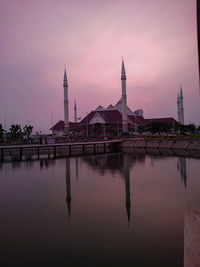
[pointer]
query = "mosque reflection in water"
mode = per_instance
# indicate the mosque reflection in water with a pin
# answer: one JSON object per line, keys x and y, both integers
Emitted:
{"x": 121, "y": 163}
{"x": 127, "y": 199}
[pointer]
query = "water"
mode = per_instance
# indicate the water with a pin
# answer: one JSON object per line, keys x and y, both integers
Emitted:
{"x": 100, "y": 210}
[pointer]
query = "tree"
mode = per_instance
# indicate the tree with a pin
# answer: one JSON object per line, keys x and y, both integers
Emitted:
{"x": 15, "y": 131}
{"x": 155, "y": 127}
{"x": 28, "y": 130}
{"x": 141, "y": 129}
{"x": 158, "y": 127}
{"x": 1, "y": 131}
{"x": 191, "y": 127}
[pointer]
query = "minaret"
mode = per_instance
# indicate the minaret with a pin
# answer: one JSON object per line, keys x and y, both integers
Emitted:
{"x": 181, "y": 107}
{"x": 178, "y": 107}
{"x": 75, "y": 112}
{"x": 124, "y": 105}
{"x": 66, "y": 108}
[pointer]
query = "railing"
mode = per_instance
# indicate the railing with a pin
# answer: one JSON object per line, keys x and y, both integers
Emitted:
{"x": 55, "y": 148}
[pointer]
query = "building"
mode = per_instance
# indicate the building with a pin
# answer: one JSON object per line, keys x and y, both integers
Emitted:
{"x": 58, "y": 128}
{"x": 112, "y": 121}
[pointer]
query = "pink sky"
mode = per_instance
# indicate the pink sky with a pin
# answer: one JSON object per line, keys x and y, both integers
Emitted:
{"x": 156, "y": 37}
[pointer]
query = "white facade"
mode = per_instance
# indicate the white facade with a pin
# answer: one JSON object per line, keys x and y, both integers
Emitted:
{"x": 97, "y": 119}
{"x": 139, "y": 112}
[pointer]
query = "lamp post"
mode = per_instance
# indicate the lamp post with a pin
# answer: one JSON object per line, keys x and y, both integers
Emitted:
{"x": 135, "y": 124}
{"x": 87, "y": 124}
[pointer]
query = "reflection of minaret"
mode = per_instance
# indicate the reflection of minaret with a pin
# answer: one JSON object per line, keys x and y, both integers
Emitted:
{"x": 77, "y": 169}
{"x": 127, "y": 183}
{"x": 68, "y": 187}
{"x": 182, "y": 169}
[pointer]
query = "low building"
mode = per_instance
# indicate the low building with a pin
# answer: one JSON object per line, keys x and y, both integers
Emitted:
{"x": 58, "y": 128}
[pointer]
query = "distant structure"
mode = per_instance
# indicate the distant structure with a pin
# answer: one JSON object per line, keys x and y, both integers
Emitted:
{"x": 124, "y": 100}
{"x": 66, "y": 108}
{"x": 75, "y": 112}
{"x": 180, "y": 109}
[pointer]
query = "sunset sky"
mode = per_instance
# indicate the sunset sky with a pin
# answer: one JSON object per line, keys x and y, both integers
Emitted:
{"x": 38, "y": 37}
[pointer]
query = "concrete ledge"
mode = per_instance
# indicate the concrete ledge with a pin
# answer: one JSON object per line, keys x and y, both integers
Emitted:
{"x": 153, "y": 143}
{"x": 128, "y": 143}
{"x": 166, "y": 143}
{"x": 140, "y": 143}
{"x": 181, "y": 144}
{"x": 192, "y": 234}
{"x": 194, "y": 145}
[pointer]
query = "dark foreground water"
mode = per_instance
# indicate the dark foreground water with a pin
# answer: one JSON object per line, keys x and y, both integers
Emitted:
{"x": 101, "y": 210}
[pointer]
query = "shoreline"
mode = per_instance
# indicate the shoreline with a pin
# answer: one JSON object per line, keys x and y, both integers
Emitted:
{"x": 162, "y": 143}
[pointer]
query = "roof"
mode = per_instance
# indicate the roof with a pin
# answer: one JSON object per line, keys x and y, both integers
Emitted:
{"x": 99, "y": 108}
{"x": 165, "y": 120}
{"x": 109, "y": 116}
{"x": 118, "y": 106}
{"x": 110, "y": 107}
{"x": 59, "y": 126}
{"x": 139, "y": 120}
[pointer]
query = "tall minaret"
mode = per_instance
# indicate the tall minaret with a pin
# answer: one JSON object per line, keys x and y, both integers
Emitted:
{"x": 178, "y": 107}
{"x": 66, "y": 108}
{"x": 75, "y": 112}
{"x": 124, "y": 105}
{"x": 181, "y": 107}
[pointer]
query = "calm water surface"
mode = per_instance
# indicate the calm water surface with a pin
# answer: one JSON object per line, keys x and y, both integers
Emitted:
{"x": 101, "y": 210}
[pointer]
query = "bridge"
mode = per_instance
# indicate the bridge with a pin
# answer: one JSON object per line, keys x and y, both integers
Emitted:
{"x": 112, "y": 145}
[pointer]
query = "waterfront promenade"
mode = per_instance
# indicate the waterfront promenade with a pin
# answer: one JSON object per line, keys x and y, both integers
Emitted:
{"x": 38, "y": 149}
{"x": 106, "y": 146}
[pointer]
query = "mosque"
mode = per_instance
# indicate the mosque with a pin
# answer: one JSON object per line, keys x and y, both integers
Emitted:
{"x": 112, "y": 121}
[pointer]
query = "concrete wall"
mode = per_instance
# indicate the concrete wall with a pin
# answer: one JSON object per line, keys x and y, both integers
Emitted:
{"x": 153, "y": 143}
{"x": 179, "y": 144}
{"x": 192, "y": 234}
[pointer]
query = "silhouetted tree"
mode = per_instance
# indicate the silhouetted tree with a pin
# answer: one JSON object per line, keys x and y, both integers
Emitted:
{"x": 191, "y": 127}
{"x": 28, "y": 130}
{"x": 158, "y": 127}
{"x": 1, "y": 131}
{"x": 141, "y": 129}
{"x": 15, "y": 131}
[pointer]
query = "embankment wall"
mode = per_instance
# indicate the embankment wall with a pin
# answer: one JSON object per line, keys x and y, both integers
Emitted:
{"x": 187, "y": 144}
